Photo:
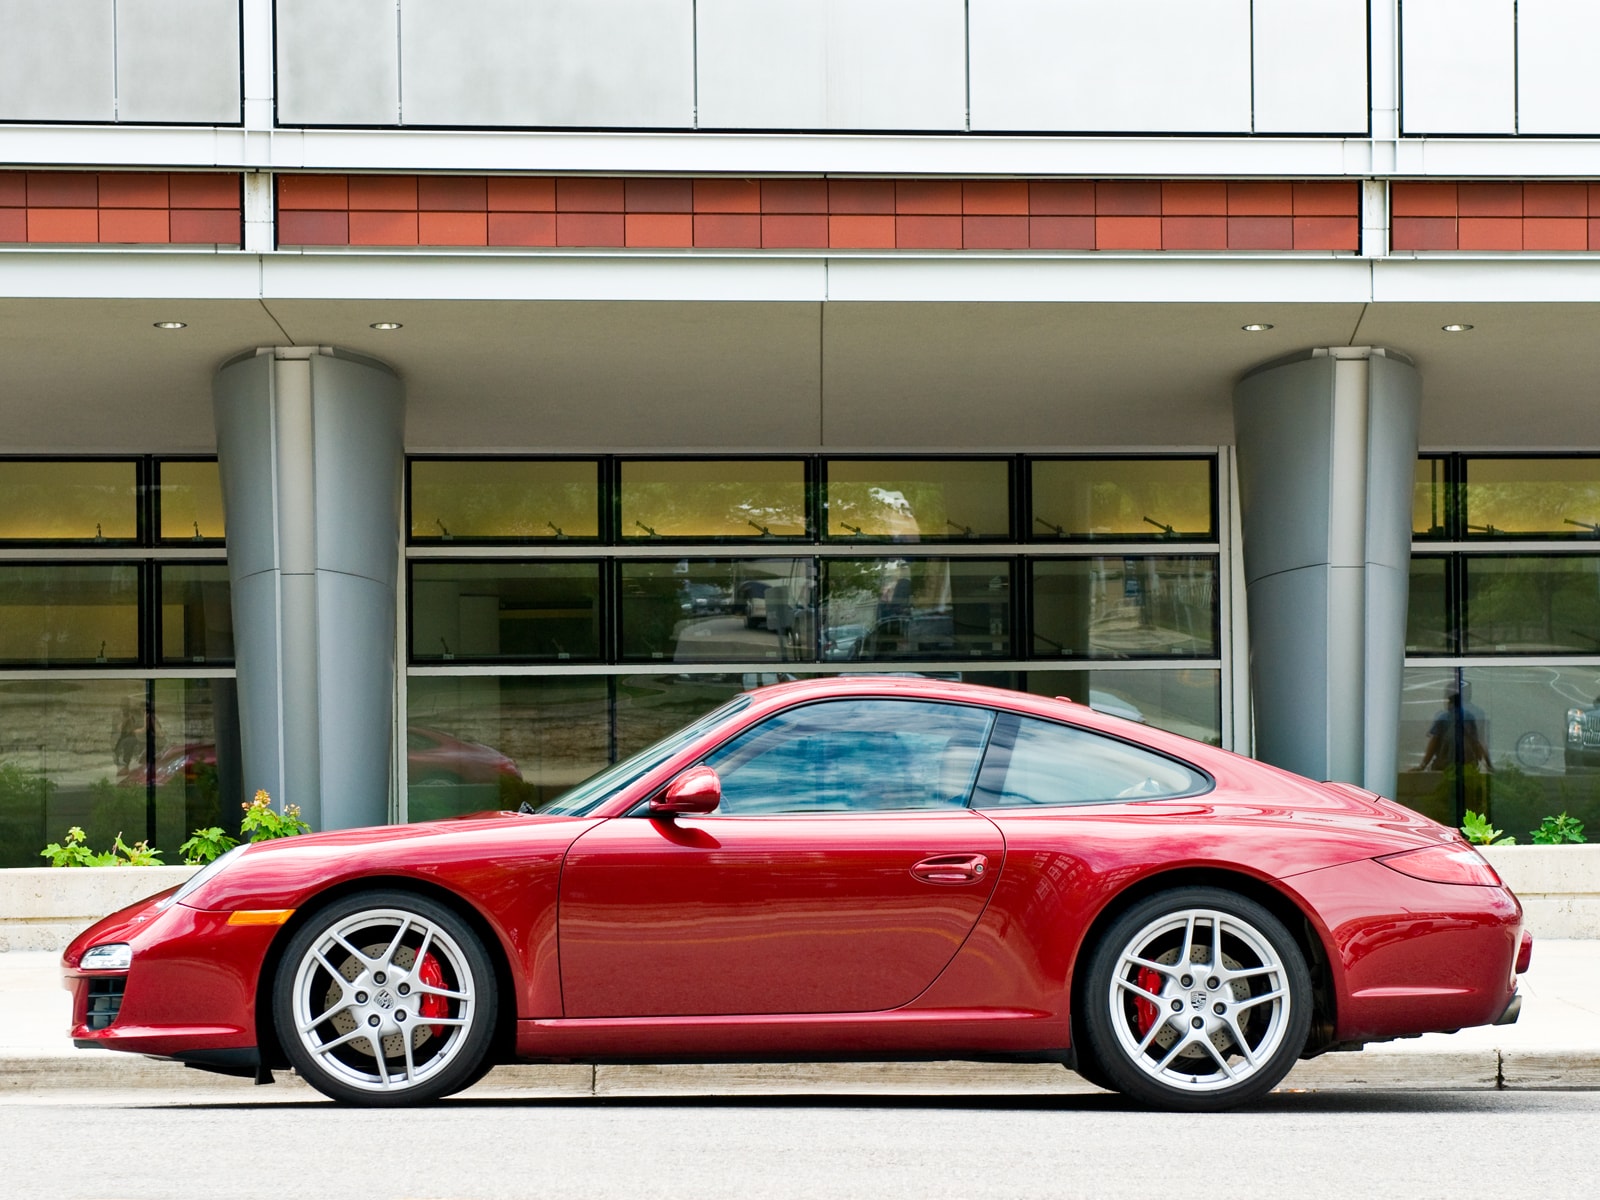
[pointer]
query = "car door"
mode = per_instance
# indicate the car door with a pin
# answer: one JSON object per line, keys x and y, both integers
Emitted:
{"x": 840, "y": 873}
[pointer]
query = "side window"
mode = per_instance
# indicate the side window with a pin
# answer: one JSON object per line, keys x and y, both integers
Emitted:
{"x": 854, "y": 756}
{"x": 1050, "y": 764}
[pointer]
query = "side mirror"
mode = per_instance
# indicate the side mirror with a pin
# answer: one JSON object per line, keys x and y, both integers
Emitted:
{"x": 697, "y": 790}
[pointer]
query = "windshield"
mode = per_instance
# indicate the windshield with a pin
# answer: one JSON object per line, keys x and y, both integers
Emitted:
{"x": 589, "y": 793}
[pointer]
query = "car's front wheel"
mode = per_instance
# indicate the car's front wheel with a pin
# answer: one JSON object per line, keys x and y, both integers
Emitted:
{"x": 385, "y": 998}
{"x": 1197, "y": 999}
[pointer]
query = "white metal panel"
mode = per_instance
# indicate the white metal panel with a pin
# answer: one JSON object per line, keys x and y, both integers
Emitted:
{"x": 761, "y": 66}
{"x": 1457, "y": 66}
{"x": 1310, "y": 66}
{"x": 57, "y": 61}
{"x": 178, "y": 60}
{"x": 587, "y": 63}
{"x": 845, "y": 64}
{"x": 1148, "y": 66}
{"x": 1558, "y": 89}
{"x": 338, "y": 64}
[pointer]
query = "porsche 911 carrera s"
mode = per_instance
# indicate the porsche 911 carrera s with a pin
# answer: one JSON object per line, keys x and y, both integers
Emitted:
{"x": 848, "y": 868}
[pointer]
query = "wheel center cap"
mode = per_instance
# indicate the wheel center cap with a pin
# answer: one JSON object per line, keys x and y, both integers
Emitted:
{"x": 1197, "y": 1000}
{"x": 385, "y": 1000}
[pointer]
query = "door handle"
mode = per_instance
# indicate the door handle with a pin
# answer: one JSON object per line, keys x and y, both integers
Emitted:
{"x": 951, "y": 868}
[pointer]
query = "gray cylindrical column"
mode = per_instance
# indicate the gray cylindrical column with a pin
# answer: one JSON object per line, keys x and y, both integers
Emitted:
{"x": 1327, "y": 449}
{"x": 310, "y": 443}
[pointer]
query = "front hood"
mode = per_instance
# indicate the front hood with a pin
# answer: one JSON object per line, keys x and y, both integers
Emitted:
{"x": 285, "y": 872}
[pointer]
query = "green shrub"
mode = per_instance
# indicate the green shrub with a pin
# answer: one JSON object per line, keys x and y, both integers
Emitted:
{"x": 1559, "y": 830}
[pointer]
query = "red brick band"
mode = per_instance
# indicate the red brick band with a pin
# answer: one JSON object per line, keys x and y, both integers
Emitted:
{"x": 121, "y": 207}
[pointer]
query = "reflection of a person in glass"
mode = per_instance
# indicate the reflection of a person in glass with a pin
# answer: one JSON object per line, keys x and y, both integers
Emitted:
{"x": 1459, "y": 723}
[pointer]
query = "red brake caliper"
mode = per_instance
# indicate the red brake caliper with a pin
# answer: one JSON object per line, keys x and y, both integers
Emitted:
{"x": 1145, "y": 1011}
{"x": 432, "y": 1005}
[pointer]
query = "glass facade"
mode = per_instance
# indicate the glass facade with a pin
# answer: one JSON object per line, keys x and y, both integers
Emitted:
{"x": 529, "y": 673}
{"x": 117, "y": 703}
{"x": 1503, "y": 641}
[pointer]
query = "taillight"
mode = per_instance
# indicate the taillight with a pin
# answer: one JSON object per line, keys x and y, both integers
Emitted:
{"x": 1452, "y": 862}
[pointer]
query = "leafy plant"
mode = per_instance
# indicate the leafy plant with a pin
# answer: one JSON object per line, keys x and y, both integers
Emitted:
{"x": 1559, "y": 830}
{"x": 72, "y": 852}
{"x": 206, "y": 845}
{"x": 262, "y": 822}
{"x": 1477, "y": 830}
{"x": 140, "y": 854}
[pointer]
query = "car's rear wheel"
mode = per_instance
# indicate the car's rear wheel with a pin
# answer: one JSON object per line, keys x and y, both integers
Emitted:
{"x": 1197, "y": 999}
{"x": 385, "y": 998}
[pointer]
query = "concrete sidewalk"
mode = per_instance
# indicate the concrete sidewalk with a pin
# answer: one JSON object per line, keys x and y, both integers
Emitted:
{"x": 1555, "y": 1044}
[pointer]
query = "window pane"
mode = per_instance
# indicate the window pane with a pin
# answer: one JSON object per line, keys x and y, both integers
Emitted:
{"x": 197, "y": 773}
{"x": 83, "y": 501}
{"x": 891, "y": 609}
{"x": 88, "y": 752}
{"x": 1520, "y": 743}
{"x": 1126, "y": 607}
{"x": 1427, "y": 606}
{"x": 489, "y": 499}
{"x": 707, "y": 499}
{"x": 649, "y": 707}
{"x": 1527, "y": 604}
{"x": 1430, "y": 504}
{"x": 1051, "y": 764}
{"x": 1122, "y": 498}
{"x": 59, "y": 615}
{"x": 196, "y": 613}
{"x": 480, "y": 742}
{"x": 1187, "y": 701}
{"x": 918, "y": 500}
{"x": 1524, "y": 497}
{"x": 717, "y": 610}
{"x": 191, "y": 502}
{"x": 854, "y": 756}
{"x": 534, "y": 610}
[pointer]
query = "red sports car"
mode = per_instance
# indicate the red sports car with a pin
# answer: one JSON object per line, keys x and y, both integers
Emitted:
{"x": 860, "y": 868}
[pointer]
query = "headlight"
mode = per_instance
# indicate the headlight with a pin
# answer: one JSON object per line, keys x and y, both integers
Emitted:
{"x": 113, "y": 956}
{"x": 210, "y": 871}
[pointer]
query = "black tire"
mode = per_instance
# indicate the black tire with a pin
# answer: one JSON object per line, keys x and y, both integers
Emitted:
{"x": 1170, "y": 1026}
{"x": 408, "y": 1017}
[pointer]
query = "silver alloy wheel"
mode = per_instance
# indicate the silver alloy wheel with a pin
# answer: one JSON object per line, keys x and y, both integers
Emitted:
{"x": 383, "y": 1000}
{"x": 1200, "y": 1000}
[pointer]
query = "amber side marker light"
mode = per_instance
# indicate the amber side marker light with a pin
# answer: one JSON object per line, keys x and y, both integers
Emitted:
{"x": 260, "y": 916}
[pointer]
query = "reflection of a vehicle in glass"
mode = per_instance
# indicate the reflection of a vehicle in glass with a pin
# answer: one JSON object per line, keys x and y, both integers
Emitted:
{"x": 701, "y": 599}
{"x": 751, "y": 600}
{"x": 432, "y": 757}
{"x": 1583, "y": 739}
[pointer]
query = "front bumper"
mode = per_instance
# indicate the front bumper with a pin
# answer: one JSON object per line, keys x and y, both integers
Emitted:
{"x": 190, "y": 991}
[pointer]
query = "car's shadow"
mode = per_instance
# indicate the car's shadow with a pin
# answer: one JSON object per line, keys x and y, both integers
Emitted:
{"x": 1331, "y": 1102}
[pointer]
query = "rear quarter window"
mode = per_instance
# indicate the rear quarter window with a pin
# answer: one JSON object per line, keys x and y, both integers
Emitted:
{"x": 1034, "y": 763}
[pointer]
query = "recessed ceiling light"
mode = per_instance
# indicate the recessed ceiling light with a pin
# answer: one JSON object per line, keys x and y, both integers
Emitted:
{"x": 1257, "y": 327}
{"x": 172, "y": 324}
{"x": 1455, "y": 328}
{"x": 386, "y": 325}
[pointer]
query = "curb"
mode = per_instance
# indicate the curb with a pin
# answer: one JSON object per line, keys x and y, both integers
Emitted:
{"x": 106, "y": 1071}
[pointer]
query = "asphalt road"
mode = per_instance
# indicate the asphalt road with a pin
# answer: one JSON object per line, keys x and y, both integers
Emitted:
{"x": 74, "y": 1145}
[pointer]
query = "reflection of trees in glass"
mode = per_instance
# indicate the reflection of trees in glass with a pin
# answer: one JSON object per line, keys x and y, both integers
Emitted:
{"x": 1533, "y": 604}
{"x": 714, "y": 508}
{"x": 1141, "y": 497}
{"x": 24, "y": 796}
{"x": 1552, "y": 505}
{"x": 506, "y": 499}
